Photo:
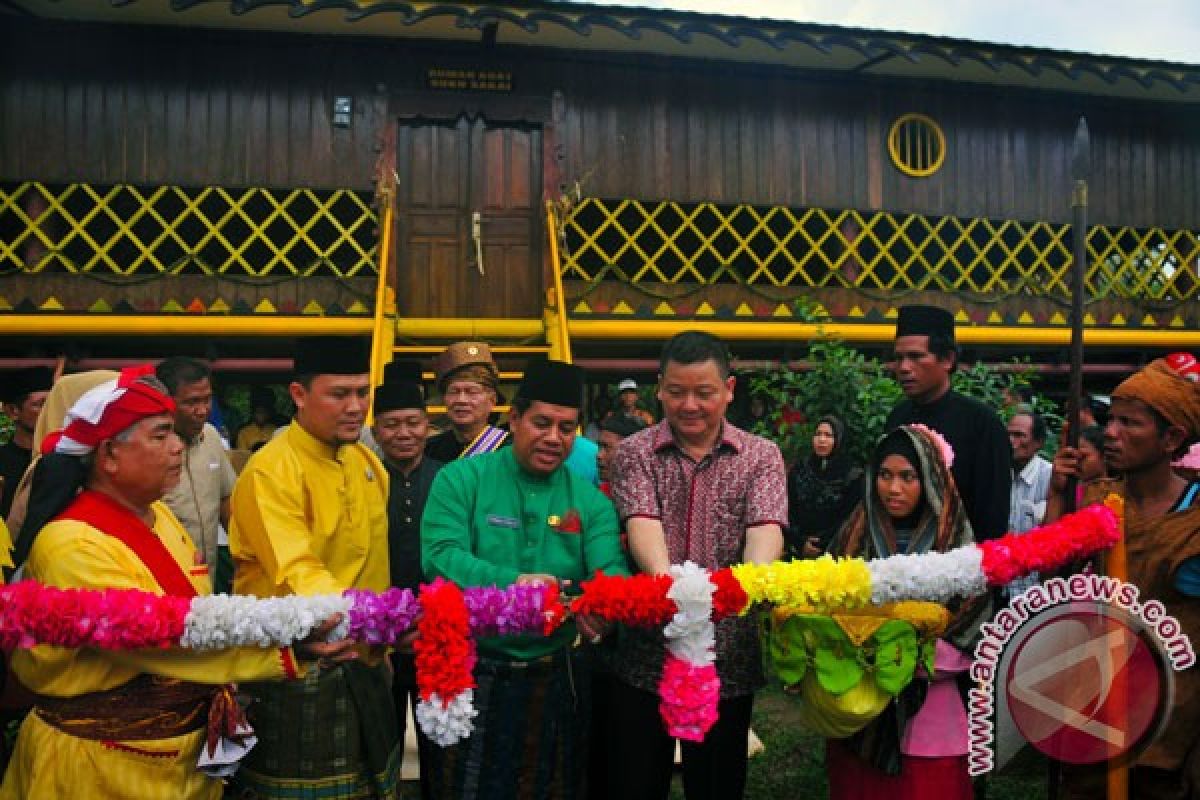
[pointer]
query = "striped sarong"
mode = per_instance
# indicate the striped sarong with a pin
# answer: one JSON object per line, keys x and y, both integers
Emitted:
{"x": 530, "y": 738}
{"x": 331, "y": 736}
{"x": 488, "y": 440}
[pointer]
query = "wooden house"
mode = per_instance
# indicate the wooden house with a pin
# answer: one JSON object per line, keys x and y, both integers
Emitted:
{"x": 219, "y": 176}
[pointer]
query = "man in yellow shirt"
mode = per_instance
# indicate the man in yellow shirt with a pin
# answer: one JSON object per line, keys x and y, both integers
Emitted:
{"x": 309, "y": 516}
{"x": 126, "y": 724}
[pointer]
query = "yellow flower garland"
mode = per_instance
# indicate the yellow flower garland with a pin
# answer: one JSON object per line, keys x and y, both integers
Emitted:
{"x": 815, "y": 586}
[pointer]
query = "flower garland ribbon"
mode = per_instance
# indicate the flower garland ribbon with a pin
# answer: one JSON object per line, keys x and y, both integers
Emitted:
{"x": 687, "y": 601}
{"x": 445, "y": 664}
{"x": 690, "y": 687}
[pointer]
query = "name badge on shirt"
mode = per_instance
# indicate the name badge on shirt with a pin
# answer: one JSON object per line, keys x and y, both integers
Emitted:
{"x": 370, "y": 474}
{"x": 503, "y": 522}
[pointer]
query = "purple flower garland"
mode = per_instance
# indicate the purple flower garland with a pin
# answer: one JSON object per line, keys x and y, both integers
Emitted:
{"x": 383, "y": 618}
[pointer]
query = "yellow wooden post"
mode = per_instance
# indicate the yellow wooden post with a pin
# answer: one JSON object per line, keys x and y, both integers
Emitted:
{"x": 382, "y": 334}
{"x": 1117, "y": 779}
{"x": 557, "y": 333}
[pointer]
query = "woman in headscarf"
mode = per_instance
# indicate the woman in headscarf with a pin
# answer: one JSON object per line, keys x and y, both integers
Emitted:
{"x": 916, "y": 748}
{"x": 822, "y": 490}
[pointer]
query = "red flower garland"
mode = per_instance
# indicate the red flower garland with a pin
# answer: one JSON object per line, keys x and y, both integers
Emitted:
{"x": 554, "y": 609}
{"x": 1055, "y": 545}
{"x": 730, "y": 598}
{"x": 445, "y": 651}
{"x": 640, "y": 601}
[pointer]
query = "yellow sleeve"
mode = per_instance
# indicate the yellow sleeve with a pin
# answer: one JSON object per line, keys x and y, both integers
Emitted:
{"x": 269, "y": 522}
{"x": 216, "y": 666}
{"x": 72, "y": 555}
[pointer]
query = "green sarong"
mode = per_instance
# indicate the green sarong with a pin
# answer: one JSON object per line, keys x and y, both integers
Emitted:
{"x": 331, "y": 736}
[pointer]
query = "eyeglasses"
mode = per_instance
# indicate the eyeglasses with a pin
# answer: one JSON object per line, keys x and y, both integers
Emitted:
{"x": 469, "y": 392}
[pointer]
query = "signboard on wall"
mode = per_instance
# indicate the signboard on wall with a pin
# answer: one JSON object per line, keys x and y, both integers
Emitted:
{"x": 469, "y": 80}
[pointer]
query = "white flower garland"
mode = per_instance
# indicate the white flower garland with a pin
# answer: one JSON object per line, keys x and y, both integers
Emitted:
{"x": 691, "y": 635}
{"x": 447, "y": 723}
{"x": 218, "y": 621}
{"x": 933, "y": 577}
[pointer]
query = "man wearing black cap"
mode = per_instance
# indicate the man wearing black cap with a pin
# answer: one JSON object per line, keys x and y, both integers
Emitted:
{"x": 24, "y": 393}
{"x": 926, "y": 355}
{"x": 517, "y": 515}
{"x": 310, "y": 517}
{"x": 400, "y": 429}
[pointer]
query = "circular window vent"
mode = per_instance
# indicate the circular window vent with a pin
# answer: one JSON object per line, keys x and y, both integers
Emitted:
{"x": 917, "y": 145}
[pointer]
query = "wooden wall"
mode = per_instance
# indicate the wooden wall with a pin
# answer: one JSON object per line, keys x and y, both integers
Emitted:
{"x": 807, "y": 140}
{"x": 109, "y": 105}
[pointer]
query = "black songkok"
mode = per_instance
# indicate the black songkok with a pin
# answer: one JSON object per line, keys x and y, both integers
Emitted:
{"x": 333, "y": 355}
{"x": 925, "y": 321}
{"x": 24, "y": 382}
{"x": 554, "y": 382}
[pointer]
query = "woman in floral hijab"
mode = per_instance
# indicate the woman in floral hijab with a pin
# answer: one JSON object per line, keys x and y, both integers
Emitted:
{"x": 916, "y": 748}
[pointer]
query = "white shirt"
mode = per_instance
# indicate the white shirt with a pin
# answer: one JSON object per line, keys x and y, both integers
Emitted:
{"x": 1027, "y": 499}
{"x": 1027, "y": 506}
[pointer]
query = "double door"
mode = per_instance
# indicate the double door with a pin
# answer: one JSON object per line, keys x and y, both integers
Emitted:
{"x": 470, "y": 224}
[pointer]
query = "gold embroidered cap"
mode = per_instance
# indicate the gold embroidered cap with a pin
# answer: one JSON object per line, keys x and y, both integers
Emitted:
{"x": 463, "y": 354}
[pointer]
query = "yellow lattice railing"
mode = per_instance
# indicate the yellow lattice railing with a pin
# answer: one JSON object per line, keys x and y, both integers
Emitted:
{"x": 705, "y": 243}
{"x": 134, "y": 231}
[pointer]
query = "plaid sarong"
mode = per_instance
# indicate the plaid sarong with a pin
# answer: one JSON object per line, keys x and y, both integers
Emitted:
{"x": 331, "y": 736}
{"x": 530, "y": 739}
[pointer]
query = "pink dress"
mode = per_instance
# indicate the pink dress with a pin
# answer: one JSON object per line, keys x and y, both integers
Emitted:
{"x": 940, "y": 727}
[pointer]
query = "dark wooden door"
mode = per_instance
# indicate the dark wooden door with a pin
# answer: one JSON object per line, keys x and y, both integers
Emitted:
{"x": 450, "y": 173}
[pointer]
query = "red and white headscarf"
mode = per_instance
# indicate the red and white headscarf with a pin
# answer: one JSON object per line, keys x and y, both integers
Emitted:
{"x": 106, "y": 410}
{"x": 1186, "y": 365}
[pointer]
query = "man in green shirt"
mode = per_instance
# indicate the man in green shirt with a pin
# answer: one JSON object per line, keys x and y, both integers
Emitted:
{"x": 517, "y": 515}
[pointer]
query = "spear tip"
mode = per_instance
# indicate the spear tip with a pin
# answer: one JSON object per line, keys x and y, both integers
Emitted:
{"x": 1081, "y": 152}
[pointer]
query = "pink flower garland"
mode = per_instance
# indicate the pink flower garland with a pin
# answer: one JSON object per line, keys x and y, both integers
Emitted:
{"x": 688, "y": 694}
{"x": 111, "y": 619}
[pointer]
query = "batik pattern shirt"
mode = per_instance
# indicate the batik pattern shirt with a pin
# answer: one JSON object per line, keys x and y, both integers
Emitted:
{"x": 705, "y": 508}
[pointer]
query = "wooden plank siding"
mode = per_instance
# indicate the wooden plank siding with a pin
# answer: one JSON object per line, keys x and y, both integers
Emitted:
{"x": 90, "y": 103}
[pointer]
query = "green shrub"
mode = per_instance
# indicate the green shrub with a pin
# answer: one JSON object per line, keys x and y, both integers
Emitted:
{"x": 861, "y": 392}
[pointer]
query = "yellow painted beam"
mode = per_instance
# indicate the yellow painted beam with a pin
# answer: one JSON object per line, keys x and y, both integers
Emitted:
{"x": 627, "y": 330}
{"x": 175, "y": 325}
{"x": 486, "y": 328}
{"x": 639, "y": 329}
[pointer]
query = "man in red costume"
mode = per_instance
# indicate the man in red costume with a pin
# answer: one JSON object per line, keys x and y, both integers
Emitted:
{"x": 128, "y": 724}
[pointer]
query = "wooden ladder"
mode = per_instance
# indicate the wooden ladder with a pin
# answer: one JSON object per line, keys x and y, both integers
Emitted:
{"x": 512, "y": 341}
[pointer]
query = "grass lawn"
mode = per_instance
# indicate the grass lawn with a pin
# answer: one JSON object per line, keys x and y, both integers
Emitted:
{"x": 793, "y": 764}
